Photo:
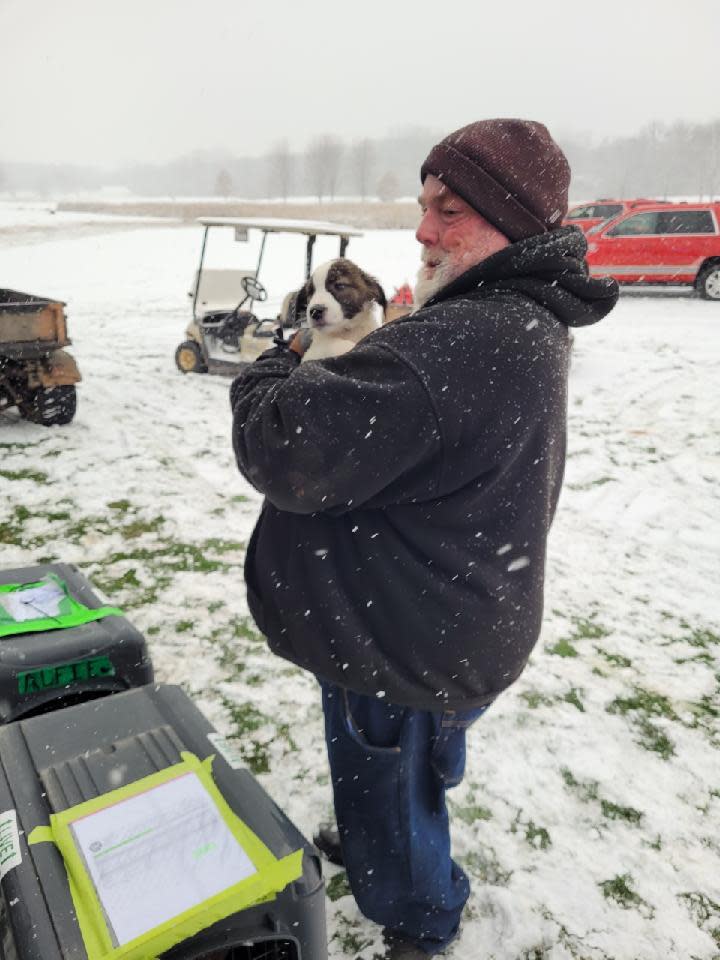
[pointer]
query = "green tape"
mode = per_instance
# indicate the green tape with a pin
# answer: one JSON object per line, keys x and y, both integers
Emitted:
{"x": 271, "y": 876}
{"x": 71, "y": 613}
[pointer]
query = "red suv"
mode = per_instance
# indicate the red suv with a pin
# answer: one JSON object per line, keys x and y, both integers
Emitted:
{"x": 588, "y": 215}
{"x": 664, "y": 243}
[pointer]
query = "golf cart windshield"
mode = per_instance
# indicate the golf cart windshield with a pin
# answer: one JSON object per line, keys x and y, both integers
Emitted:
{"x": 289, "y": 263}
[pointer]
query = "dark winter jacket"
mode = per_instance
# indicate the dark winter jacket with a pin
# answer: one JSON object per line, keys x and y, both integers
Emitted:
{"x": 410, "y": 483}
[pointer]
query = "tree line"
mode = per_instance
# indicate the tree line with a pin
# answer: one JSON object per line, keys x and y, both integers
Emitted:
{"x": 660, "y": 160}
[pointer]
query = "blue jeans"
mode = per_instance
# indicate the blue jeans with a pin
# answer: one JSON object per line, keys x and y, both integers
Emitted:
{"x": 390, "y": 767}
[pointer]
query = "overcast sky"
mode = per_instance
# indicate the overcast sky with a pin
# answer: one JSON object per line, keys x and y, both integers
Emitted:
{"x": 104, "y": 82}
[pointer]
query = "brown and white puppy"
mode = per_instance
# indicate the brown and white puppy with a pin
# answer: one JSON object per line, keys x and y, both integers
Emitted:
{"x": 343, "y": 304}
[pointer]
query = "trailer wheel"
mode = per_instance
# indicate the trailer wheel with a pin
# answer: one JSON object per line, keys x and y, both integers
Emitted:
{"x": 189, "y": 359}
{"x": 50, "y": 406}
{"x": 708, "y": 282}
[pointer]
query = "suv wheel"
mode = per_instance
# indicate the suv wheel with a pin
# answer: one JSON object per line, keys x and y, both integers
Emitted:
{"x": 188, "y": 358}
{"x": 708, "y": 282}
{"x": 49, "y": 406}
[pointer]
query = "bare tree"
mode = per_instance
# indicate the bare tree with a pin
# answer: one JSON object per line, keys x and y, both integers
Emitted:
{"x": 388, "y": 187}
{"x": 363, "y": 160}
{"x": 223, "y": 184}
{"x": 323, "y": 159}
{"x": 280, "y": 164}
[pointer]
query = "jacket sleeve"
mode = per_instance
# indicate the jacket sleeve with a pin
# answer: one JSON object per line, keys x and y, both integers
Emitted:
{"x": 330, "y": 434}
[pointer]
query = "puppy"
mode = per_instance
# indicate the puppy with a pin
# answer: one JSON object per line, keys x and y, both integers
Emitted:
{"x": 341, "y": 302}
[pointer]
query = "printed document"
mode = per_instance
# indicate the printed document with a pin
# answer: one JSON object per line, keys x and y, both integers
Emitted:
{"x": 155, "y": 855}
{"x": 34, "y": 603}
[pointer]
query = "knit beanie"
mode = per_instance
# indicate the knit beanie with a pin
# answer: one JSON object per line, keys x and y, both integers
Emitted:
{"x": 510, "y": 171}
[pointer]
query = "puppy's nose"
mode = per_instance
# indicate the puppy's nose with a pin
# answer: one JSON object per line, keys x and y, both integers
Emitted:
{"x": 317, "y": 312}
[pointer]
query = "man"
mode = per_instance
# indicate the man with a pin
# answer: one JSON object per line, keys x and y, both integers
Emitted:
{"x": 409, "y": 486}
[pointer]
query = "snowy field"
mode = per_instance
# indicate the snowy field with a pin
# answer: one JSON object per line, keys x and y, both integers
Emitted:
{"x": 589, "y": 819}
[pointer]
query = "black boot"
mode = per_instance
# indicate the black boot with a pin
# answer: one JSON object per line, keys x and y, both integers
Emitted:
{"x": 400, "y": 948}
{"x": 327, "y": 840}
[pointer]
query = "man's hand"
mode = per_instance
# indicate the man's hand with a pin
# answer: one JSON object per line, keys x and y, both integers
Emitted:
{"x": 300, "y": 341}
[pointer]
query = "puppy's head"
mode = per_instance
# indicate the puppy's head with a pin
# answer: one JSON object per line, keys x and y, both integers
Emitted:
{"x": 337, "y": 292}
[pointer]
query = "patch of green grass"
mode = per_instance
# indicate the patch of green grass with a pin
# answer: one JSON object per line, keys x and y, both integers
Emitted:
{"x": 702, "y": 638}
{"x": 184, "y": 626}
{"x": 122, "y": 506}
{"x": 614, "y": 811}
{"x": 707, "y": 658}
{"x": 244, "y": 628}
{"x": 537, "y": 837}
{"x": 255, "y": 755}
{"x": 616, "y": 659}
{"x": 137, "y": 528}
{"x": 619, "y": 890}
{"x": 11, "y": 530}
{"x": 160, "y": 562}
{"x": 655, "y": 740}
{"x": 704, "y": 911}
{"x": 245, "y": 717}
{"x": 472, "y": 813}
{"x": 563, "y": 648}
{"x": 573, "y": 697}
{"x": 37, "y": 476}
{"x": 586, "y": 791}
{"x": 585, "y": 628}
{"x": 484, "y": 865}
{"x": 348, "y": 936}
{"x": 113, "y": 585}
{"x": 535, "y": 699}
{"x": 644, "y": 702}
{"x": 645, "y": 705}
{"x": 338, "y": 887}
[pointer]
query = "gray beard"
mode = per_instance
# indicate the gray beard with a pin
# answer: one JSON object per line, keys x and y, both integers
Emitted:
{"x": 427, "y": 287}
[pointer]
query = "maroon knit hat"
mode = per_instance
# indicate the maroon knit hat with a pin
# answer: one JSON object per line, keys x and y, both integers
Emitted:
{"x": 510, "y": 171}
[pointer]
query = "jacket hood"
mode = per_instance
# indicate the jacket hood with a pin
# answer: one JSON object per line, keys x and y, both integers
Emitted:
{"x": 549, "y": 268}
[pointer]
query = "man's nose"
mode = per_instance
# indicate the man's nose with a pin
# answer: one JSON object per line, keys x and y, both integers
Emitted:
{"x": 426, "y": 233}
{"x": 317, "y": 312}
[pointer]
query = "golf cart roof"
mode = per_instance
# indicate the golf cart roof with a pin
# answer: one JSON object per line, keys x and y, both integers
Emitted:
{"x": 279, "y": 225}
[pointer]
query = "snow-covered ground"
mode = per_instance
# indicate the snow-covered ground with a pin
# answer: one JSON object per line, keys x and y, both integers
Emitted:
{"x": 589, "y": 816}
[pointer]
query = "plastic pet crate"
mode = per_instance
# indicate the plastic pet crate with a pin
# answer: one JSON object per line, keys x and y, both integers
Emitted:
{"x": 55, "y": 761}
{"x": 49, "y": 669}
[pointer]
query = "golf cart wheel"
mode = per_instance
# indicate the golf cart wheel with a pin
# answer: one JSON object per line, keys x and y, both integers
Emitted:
{"x": 50, "y": 406}
{"x": 188, "y": 358}
{"x": 708, "y": 282}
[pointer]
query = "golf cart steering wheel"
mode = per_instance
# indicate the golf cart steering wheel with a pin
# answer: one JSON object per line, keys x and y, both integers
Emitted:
{"x": 254, "y": 289}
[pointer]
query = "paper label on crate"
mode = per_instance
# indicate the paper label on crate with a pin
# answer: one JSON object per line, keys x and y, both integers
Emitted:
{"x": 227, "y": 750}
{"x": 34, "y": 603}
{"x": 10, "y": 855}
{"x": 167, "y": 848}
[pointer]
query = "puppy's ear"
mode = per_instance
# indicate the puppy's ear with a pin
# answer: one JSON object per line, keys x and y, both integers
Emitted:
{"x": 377, "y": 291}
{"x": 301, "y": 299}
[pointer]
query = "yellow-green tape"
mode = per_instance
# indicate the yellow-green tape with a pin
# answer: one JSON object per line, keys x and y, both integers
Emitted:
{"x": 271, "y": 876}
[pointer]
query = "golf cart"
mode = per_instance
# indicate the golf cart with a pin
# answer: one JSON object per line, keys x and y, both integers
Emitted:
{"x": 225, "y": 334}
{"x": 36, "y": 374}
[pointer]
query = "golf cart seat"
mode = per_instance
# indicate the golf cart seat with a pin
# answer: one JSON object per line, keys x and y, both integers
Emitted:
{"x": 220, "y": 289}
{"x": 229, "y": 326}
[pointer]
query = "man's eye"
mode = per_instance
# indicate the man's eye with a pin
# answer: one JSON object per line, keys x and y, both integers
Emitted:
{"x": 450, "y": 212}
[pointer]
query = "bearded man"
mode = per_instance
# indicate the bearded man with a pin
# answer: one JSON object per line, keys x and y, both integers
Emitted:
{"x": 410, "y": 485}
